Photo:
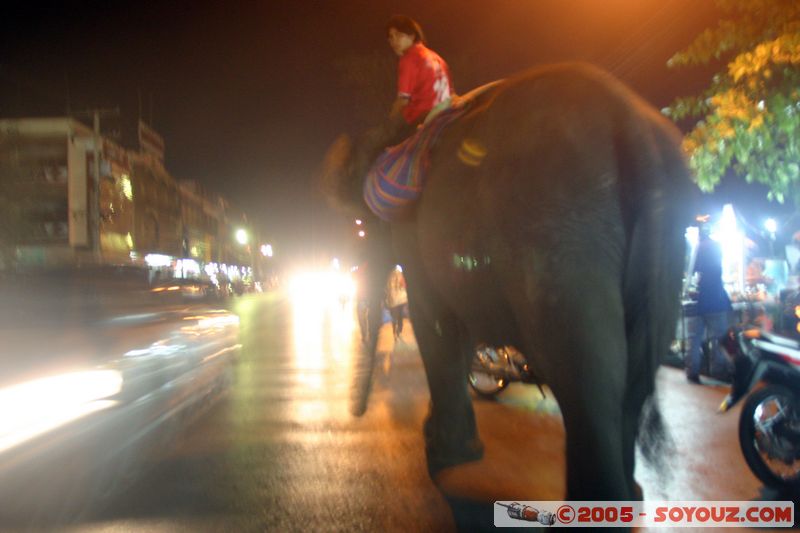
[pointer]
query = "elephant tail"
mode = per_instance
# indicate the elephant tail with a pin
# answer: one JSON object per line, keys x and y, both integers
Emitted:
{"x": 654, "y": 440}
{"x": 651, "y": 317}
{"x": 657, "y": 200}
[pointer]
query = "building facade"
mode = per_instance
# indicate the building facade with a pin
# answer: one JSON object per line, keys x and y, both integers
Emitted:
{"x": 67, "y": 194}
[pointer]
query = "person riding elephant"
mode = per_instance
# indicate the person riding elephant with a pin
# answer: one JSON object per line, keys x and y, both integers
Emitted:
{"x": 423, "y": 77}
{"x": 423, "y": 84}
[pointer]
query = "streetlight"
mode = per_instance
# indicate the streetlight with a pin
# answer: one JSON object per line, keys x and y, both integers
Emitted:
{"x": 771, "y": 225}
{"x": 362, "y": 234}
{"x": 241, "y": 236}
{"x": 731, "y": 238}
{"x": 266, "y": 250}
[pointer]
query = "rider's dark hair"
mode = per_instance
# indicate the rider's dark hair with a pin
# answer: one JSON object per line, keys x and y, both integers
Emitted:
{"x": 406, "y": 25}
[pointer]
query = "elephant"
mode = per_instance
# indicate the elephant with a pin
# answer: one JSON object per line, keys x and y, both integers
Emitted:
{"x": 560, "y": 232}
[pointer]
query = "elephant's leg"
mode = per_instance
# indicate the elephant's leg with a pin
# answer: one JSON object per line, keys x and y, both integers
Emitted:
{"x": 451, "y": 435}
{"x": 583, "y": 332}
{"x": 379, "y": 261}
{"x": 596, "y": 468}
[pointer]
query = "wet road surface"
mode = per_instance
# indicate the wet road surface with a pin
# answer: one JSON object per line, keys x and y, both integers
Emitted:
{"x": 281, "y": 452}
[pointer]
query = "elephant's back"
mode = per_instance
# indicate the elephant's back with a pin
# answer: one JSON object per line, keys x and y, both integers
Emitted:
{"x": 546, "y": 142}
{"x": 535, "y": 173}
{"x": 531, "y": 150}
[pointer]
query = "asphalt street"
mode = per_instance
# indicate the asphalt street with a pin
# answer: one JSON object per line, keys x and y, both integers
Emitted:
{"x": 281, "y": 451}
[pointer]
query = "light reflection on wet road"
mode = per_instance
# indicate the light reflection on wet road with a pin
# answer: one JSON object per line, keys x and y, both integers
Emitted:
{"x": 283, "y": 453}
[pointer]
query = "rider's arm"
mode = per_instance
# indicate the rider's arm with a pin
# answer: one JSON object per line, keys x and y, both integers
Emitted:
{"x": 396, "y": 113}
{"x": 406, "y": 78}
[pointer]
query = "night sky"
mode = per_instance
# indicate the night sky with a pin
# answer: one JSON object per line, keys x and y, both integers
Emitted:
{"x": 248, "y": 95}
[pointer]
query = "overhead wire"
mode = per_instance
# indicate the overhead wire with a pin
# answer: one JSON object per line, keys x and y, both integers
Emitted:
{"x": 631, "y": 53}
{"x": 634, "y": 62}
{"x": 616, "y": 55}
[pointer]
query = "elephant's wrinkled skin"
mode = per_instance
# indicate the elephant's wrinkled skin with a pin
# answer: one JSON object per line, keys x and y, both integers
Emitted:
{"x": 553, "y": 220}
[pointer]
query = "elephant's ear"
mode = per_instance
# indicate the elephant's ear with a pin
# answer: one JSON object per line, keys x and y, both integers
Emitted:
{"x": 335, "y": 179}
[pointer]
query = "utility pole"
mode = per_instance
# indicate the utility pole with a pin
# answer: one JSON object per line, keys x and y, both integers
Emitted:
{"x": 94, "y": 203}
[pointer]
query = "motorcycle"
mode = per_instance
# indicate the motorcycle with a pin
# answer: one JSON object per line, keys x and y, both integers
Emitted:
{"x": 493, "y": 368}
{"x": 769, "y": 426}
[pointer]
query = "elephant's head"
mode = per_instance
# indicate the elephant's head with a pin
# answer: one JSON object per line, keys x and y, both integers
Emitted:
{"x": 338, "y": 179}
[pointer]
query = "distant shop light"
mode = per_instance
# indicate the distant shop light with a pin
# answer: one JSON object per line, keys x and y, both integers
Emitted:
{"x": 731, "y": 240}
{"x": 125, "y": 185}
{"x": 692, "y": 236}
{"x": 186, "y": 266}
{"x": 727, "y": 223}
{"x": 232, "y": 271}
{"x": 158, "y": 260}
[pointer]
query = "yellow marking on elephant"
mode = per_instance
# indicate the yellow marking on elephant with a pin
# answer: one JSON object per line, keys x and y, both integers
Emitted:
{"x": 471, "y": 152}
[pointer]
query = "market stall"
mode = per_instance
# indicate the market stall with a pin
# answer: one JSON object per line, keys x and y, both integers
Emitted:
{"x": 760, "y": 288}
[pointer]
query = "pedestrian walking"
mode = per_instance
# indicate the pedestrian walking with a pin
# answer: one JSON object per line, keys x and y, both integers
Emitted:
{"x": 396, "y": 300}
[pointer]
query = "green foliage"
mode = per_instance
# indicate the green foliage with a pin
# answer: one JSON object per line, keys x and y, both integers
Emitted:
{"x": 750, "y": 114}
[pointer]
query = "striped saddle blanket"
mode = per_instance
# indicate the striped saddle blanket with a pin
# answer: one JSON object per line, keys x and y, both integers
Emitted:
{"x": 395, "y": 181}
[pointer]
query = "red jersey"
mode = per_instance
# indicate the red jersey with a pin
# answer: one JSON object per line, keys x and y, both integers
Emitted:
{"x": 423, "y": 78}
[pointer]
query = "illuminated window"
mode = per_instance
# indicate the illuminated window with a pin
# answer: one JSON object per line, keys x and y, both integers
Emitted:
{"x": 125, "y": 185}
